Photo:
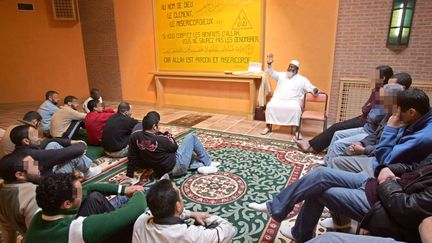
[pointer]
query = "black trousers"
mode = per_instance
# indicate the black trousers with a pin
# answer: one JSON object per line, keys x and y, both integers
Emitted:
{"x": 322, "y": 141}
{"x": 72, "y": 129}
{"x": 96, "y": 203}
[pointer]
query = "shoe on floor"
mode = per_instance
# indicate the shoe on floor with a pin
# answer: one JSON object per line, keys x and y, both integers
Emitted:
{"x": 329, "y": 224}
{"x": 214, "y": 164}
{"x": 265, "y": 131}
{"x": 92, "y": 171}
{"x": 260, "y": 207}
{"x": 286, "y": 231}
{"x": 207, "y": 170}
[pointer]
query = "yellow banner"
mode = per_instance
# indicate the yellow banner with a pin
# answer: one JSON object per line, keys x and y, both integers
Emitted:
{"x": 208, "y": 35}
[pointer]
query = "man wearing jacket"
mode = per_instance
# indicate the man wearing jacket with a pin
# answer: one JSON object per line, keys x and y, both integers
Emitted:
{"x": 166, "y": 223}
{"x": 392, "y": 204}
{"x": 54, "y": 155}
{"x": 95, "y": 121}
{"x": 73, "y": 213}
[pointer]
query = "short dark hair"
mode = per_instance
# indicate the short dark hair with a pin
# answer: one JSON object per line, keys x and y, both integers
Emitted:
{"x": 161, "y": 199}
{"x": 123, "y": 107}
{"x": 385, "y": 72}
{"x": 10, "y": 164}
{"x": 19, "y": 133}
{"x": 92, "y": 104}
{"x": 403, "y": 79}
{"x": 413, "y": 98}
{"x": 54, "y": 190}
{"x": 50, "y": 93}
{"x": 152, "y": 118}
{"x": 69, "y": 98}
{"x": 94, "y": 91}
{"x": 32, "y": 115}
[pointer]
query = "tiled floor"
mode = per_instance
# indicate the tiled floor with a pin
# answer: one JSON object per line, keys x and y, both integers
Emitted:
{"x": 219, "y": 122}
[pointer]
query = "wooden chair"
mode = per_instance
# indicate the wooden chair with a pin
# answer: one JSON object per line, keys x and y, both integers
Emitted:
{"x": 314, "y": 115}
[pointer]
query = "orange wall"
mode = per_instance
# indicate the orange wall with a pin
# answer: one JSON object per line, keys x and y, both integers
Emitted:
{"x": 302, "y": 29}
{"x": 38, "y": 54}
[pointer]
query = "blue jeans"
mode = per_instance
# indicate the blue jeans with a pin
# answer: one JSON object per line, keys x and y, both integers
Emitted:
{"x": 336, "y": 237}
{"x": 339, "y": 191}
{"x": 184, "y": 155}
{"x": 82, "y": 163}
{"x": 341, "y": 140}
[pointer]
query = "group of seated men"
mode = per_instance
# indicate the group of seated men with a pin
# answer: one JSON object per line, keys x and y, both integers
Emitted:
{"x": 377, "y": 171}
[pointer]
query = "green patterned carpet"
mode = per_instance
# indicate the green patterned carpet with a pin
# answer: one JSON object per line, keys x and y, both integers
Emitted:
{"x": 252, "y": 169}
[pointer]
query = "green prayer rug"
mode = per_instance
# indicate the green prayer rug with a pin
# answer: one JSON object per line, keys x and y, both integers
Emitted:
{"x": 252, "y": 170}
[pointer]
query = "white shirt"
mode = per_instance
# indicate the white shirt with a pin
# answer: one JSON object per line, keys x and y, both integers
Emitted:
{"x": 145, "y": 230}
{"x": 86, "y": 110}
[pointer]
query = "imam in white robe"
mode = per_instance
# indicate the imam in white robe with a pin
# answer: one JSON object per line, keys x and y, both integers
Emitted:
{"x": 285, "y": 107}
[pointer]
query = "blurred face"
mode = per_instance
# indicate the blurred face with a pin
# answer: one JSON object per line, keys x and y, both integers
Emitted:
{"x": 32, "y": 169}
{"x": 99, "y": 107}
{"x": 54, "y": 99}
{"x": 76, "y": 203}
{"x": 33, "y": 136}
{"x": 375, "y": 80}
{"x": 292, "y": 70}
{"x": 74, "y": 104}
{"x": 389, "y": 102}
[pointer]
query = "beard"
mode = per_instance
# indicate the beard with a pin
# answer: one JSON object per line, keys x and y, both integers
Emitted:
{"x": 35, "y": 179}
{"x": 290, "y": 74}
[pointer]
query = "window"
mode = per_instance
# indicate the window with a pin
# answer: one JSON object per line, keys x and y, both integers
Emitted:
{"x": 400, "y": 23}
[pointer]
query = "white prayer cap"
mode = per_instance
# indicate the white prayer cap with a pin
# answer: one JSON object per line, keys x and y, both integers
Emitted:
{"x": 295, "y": 62}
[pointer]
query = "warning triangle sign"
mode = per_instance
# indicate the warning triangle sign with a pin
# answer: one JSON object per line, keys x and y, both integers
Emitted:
{"x": 242, "y": 22}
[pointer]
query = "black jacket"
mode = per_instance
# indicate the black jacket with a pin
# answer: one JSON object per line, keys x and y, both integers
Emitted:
{"x": 150, "y": 151}
{"x": 402, "y": 208}
{"x": 47, "y": 159}
{"x": 371, "y": 141}
{"x": 116, "y": 133}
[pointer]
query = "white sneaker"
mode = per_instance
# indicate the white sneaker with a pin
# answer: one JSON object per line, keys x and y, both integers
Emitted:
{"x": 265, "y": 131}
{"x": 286, "y": 231}
{"x": 329, "y": 224}
{"x": 92, "y": 171}
{"x": 260, "y": 207}
{"x": 214, "y": 164}
{"x": 207, "y": 170}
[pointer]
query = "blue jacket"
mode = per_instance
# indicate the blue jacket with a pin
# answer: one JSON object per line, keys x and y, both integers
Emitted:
{"x": 405, "y": 145}
{"x": 46, "y": 110}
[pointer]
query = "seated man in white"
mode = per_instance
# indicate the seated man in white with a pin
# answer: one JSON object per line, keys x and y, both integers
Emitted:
{"x": 284, "y": 108}
{"x": 166, "y": 223}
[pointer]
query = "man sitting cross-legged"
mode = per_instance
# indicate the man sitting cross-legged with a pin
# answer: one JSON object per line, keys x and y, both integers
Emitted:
{"x": 47, "y": 109}
{"x": 117, "y": 130}
{"x": 17, "y": 195}
{"x": 67, "y": 120}
{"x": 166, "y": 223}
{"x": 95, "y": 121}
{"x": 73, "y": 213}
{"x": 54, "y": 155}
{"x": 151, "y": 149}
{"x": 393, "y": 204}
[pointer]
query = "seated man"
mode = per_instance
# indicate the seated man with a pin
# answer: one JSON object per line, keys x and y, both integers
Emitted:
{"x": 117, "y": 130}
{"x": 344, "y": 138}
{"x": 67, "y": 120}
{"x": 54, "y": 155}
{"x": 391, "y": 205}
{"x": 404, "y": 139}
{"x": 166, "y": 223}
{"x": 72, "y": 213}
{"x": 152, "y": 149}
{"x": 285, "y": 106}
{"x": 47, "y": 109}
{"x": 94, "y": 95}
{"x": 6, "y": 145}
{"x": 17, "y": 195}
{"x": 322, "y": 141}
{"x": 96, "y": 120}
